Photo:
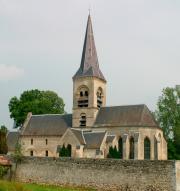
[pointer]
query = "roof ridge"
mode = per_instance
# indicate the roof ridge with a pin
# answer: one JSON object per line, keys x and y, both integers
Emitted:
{"x": 94, "y": 132}
{"x": 124, "y": 105}
{"x": 53, "y": 114}
{"x": 83, "y": 136}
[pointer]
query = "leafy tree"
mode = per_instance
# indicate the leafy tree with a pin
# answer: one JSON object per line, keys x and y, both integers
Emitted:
{"x": 3, "y": 128}
{"x": 37, "y": 102}
{"x": 168, "y": 116}
{"x": 3, "y": 140}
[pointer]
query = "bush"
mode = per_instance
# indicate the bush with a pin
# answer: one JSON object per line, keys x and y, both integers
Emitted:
{"x": 113, "y": 153}
{"x": 17, "y": 156}
{"x": 3, "y": 171}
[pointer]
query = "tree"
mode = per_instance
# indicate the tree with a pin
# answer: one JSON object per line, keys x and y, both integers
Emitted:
{"x": 37, "y": 102}
{"x": 3, "y": 140}
{"x": 4, "y": 129}
{"x": 168, "y": 116}
{"x": 65, "y": 151}
{"x": 17, "y": 156}
{"x": 113, "y": 153}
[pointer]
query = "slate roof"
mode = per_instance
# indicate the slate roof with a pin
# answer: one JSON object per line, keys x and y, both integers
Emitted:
{"x": 79, "y": 135}
{"x": 12, "y": 139}
{"x": 110, "y": 138}
{"x": 48, "y": 125}
{"x": 93, "y": 139}
{"x": 89, "y": 61}
{"x": 130, "y": 115}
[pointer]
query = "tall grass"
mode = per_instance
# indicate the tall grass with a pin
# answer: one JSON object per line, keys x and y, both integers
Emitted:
{"x": 14, "y": 186}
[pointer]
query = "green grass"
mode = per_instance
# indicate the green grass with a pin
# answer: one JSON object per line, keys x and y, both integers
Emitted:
{"x": 14, "y": 186}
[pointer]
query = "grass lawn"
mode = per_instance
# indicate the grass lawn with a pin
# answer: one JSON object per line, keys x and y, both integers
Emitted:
{"x": 14, "y": 186}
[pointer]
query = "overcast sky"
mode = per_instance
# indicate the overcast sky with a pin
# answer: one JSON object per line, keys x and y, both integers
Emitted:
{"x": 138, "y": 45}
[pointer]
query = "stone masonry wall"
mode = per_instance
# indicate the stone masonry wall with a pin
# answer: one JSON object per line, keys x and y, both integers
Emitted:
{"x": 177, "y": 175}
{"x": 121, "y": 175}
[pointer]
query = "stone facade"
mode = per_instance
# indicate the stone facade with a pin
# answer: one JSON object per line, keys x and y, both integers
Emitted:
{"x": 40, "y": 146}
{"x": 121, "y": 175}
{"x": 92, "y": 84}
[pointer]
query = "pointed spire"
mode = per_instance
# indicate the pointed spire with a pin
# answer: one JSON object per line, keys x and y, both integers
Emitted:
{"x": 89, "y": 61}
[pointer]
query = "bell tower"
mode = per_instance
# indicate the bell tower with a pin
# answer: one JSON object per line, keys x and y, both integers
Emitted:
{"x": 89, "y": 84}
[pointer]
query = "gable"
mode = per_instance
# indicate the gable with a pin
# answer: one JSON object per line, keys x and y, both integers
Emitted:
{"x": 70, "y": 138}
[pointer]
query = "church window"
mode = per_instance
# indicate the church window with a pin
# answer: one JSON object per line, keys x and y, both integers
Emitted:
{"x": 69, "y": 148}
{"x": 155, "y": 149}
{"x": 83, "y": 99}
{"x": 46, "y": 141}
{"x": 120, "y": 148}
{"x": 99, "y": 98}
{"x": 46, "y": 153}
{"x": 131, "y": 149}
{"x": 31, "y": 141}
{"x": 83, "y": 120}
{"x": 31, "y": 153}
{"x": 147, "y": 148}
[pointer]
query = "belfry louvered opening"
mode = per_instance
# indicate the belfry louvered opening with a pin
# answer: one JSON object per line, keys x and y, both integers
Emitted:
{"x": 83, "y": 97}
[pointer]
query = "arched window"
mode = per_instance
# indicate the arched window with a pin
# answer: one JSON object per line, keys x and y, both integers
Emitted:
{"x": 31, "y": 141}
{"x": 99, "y": 97}
{"x": 83, "y": 95}
{"x": 131, "y": 148}
{"x": 46, "y": 154}
{"x": 147, "y": 148}
{"x": 120, "y": 147}
{"x": 83, "y": 120}
{"x": 69, "y": 148}
{"x": 46, "y": 141}
{"x": 155, "y": 149}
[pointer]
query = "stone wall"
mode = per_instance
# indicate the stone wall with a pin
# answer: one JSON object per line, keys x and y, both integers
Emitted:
{"x": 122, "y": 175}
{"x": 178, "y": 175}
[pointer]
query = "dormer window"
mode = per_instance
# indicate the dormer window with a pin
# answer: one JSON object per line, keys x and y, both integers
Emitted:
{"x": 83, "y": 120}
{"x": 99, "y": 98}
{"x": 83, "y": 95}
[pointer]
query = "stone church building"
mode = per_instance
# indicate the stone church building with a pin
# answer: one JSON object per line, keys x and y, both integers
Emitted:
{"x": 93, "y": 127}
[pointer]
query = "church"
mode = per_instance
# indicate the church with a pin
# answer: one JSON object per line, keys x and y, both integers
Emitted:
{"x": 93, "y": 128}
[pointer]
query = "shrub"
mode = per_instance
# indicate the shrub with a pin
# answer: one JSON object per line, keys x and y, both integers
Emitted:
{"x": 3, "y": 171}
{"x": 113, "y": 153}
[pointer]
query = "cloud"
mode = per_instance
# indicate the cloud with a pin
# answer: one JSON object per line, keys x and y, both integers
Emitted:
{"x": 8, "y": 72}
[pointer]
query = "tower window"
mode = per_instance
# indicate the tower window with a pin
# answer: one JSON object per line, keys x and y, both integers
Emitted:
{"x": 83, "y": 120}
{"x": 46, "y": 141}
{"x": 86, "y": 93}
{"x": 46, "y": 153}
{"x": 31, "y": 141}
{"x": 83, "y": 97}
{"x": 81, "y": 94}
{"x": 99, "y": 98}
